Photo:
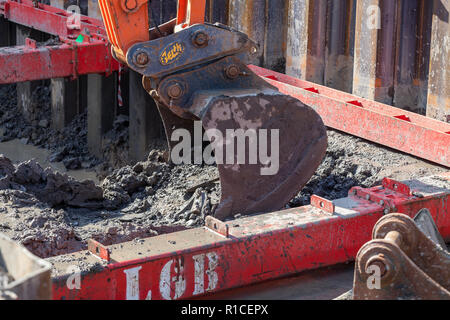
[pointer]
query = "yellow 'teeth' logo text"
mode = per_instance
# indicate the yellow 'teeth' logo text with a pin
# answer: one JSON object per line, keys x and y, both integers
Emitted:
{"x": 171, "y": 53}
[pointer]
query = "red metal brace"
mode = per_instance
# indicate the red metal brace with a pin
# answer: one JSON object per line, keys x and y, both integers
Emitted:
{"x": 99, "y": 250}
{"x": 323, "y": 204}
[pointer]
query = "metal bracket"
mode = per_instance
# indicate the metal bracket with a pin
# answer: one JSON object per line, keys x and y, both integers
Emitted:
{"x": 216, "y": 225}
{"x": 323, "y": 204}
{"x": 401, "y": 262}
{"x": 210, "y": 78}
{"x": 396, "y": 186}
{"x": 178, "y": 51}
{"x": 30, "y": 43}
{"x": 386, "y": 203}
{"x": 132, "y": 5}
{"x": 99, "y": 250}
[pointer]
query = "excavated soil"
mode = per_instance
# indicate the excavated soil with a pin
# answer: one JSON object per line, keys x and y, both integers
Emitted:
{"x": 68, "y": 145}
{"x": 53, "y": 214}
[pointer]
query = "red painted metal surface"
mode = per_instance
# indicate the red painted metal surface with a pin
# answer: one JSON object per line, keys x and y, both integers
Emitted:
{"x": 217, "y": 225}
{"x": 98, "y": 249}
{"x": 321, "y": 203}
{"x": 50, "y": 20}
{"x": 396, "y": 128}
{"x": 24, "y": 63}
{"x": 201, "y": 261}
{"x": 70, "y": 58}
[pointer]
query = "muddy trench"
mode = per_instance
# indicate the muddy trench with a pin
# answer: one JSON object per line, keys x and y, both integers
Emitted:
{"x": 54, "y": 195}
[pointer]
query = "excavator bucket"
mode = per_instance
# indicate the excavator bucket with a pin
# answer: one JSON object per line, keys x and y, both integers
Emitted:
{"x": 266, "y": 145}
{"x": 286, "y": 143}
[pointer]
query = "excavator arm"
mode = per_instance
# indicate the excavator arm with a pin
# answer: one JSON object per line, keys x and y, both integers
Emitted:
{"x": 266, "y": 144}
{"x": 127, "y": 21}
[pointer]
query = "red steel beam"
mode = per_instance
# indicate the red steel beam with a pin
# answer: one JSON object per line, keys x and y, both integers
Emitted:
{"x": 68, "y": 59}
{"x": 23, "y": 63}
{"x": 396, "y": 128}
{"x": 50, "y": 20}
{"x": 204, "y": 260}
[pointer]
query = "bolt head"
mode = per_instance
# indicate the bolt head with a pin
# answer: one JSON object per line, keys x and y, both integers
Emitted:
{"x": 130, "y": 4}
{"x": 201, "y": 39}
{"x": 232, "y": 71}
{"x": 142, "y": 58}
{"x": 175, "y": 91}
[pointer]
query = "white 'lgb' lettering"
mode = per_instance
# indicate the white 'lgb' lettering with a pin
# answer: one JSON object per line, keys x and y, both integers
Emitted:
{"x": 172, "y": 284}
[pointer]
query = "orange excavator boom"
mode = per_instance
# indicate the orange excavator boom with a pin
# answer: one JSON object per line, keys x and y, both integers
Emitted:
{"x": 127, "y": 21}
